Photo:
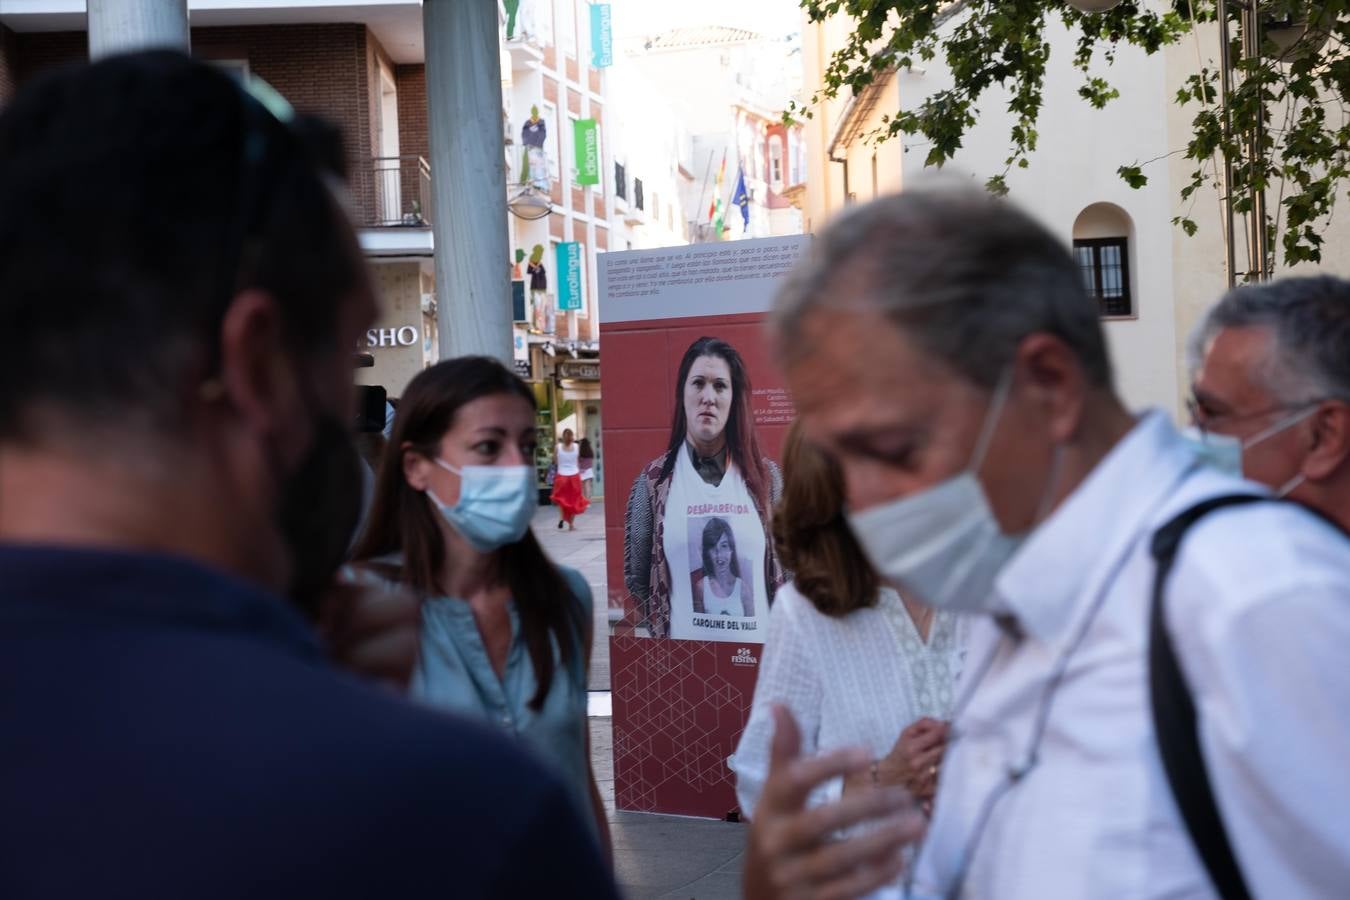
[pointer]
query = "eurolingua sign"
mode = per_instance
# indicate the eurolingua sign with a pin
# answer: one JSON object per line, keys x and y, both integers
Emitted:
{"x": 602, "y": 36}
{"x": 569, "y": 276}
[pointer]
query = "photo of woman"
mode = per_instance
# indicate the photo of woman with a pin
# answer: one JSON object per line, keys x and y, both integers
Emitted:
{"x": 712, "y": 469}
{"x": 719, "y": 589}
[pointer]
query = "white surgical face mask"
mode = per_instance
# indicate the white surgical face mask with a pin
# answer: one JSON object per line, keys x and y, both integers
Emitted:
{"x": 1224, "y": 452}
{"x": 943, "y": 546}
{"x": 495, "y": 506}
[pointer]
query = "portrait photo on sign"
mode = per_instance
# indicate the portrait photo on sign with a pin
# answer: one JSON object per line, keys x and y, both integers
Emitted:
{"x": 697, "y": 554}
{"x": 696, "y": 411}
{"x": 721, "y": 581}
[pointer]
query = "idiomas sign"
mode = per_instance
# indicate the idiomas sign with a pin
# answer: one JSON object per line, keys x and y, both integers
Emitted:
{"x": 569, "y": 275}
{"x": 376, "y": 338}
{"x": 586, "y": 136}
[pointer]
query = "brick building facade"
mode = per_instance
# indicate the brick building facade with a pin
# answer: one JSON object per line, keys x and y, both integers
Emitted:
{"x": 325, "y": 69}
{"x": 336, "y": 70}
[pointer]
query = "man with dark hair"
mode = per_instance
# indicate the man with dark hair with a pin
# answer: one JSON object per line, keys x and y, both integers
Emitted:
{"x": 181, "y": 293}
{"x": 1271, "y": 388}
{"x": 1153, "y": 700}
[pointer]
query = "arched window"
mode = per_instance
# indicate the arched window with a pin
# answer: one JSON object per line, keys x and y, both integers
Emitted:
{"x": 1101, "y": 247}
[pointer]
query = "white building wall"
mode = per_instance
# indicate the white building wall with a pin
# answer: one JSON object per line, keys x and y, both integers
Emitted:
{"x": 648, "y": 142}
{"x": 1075, "y": 166}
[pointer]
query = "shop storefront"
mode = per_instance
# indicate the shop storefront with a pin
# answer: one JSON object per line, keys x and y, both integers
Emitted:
{"x": 403, "y": 341}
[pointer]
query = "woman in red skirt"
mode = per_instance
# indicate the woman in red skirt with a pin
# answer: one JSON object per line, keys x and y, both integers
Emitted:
{"x": 567, "y": 482}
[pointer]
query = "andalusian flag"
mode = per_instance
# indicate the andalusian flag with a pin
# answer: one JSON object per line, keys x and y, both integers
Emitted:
{"x": 715, "y": 208}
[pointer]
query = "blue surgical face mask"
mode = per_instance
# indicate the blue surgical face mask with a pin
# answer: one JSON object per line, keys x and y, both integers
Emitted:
{"x": 1224, "y": 452}
{"x": 496, "y": 504}
{"x": 943, "y": 546}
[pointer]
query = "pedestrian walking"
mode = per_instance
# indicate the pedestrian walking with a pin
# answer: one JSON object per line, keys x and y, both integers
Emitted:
{"x": 567, "y": 495}
{"x": 586, "y": 460}
{"x": 178, "y": 484}
{"x": 506, "y": 634}
{"x": 1153, "y": 703}
{"x": 854, "y": 663}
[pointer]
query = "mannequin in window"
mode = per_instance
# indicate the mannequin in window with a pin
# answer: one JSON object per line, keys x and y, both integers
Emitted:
{"x": 534, "y": 168}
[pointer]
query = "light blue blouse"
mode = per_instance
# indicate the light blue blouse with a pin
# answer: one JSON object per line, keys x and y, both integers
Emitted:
{"x": 454, "y": 672}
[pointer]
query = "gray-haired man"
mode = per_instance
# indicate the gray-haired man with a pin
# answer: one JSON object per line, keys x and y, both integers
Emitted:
{"x": 1272, "y": 388}
{"x": 940, "y": 345}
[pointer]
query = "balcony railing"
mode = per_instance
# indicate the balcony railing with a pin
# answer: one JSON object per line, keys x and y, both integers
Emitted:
{"x": 392, "y": 191}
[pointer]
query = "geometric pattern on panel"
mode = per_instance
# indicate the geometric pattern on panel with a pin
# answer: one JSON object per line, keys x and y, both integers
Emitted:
{"x": 679, "y": 709}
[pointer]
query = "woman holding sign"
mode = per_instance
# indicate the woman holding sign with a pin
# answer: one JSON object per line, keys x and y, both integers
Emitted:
{"x": 712, "y": 472}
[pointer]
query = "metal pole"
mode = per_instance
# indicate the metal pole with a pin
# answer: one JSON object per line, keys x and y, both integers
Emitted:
{"x": 704, "y": 190}
{"x": 468, "y": 177}
{"x": 1260, "y": 242}
{"x": 125, "y": 26}
{"x": 1225, "y": 86}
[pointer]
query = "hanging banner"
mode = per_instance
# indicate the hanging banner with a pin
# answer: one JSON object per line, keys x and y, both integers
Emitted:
{"x": 689, "y": 621}
{"x": 602, "y": 36}
{"x": 586, "y": 138}
{"x": 570, "y": 283}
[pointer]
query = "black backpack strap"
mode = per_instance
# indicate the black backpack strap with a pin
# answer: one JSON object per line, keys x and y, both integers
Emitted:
{"x": 1174, "y": 718}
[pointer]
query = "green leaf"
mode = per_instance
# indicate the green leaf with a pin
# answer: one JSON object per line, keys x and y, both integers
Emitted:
{"x": 1300, "y": 153}
{"x": 1133, "y": 176}
{"x": 1187, "y": 225}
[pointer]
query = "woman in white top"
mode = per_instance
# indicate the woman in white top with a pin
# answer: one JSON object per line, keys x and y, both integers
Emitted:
{"x": 855, "y": 663}
{"x": 567, "y": 495}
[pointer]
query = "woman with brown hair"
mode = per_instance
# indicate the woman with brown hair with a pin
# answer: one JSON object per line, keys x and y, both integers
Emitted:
{"x": 506, "y": 634}
{"x": 719, "y": 589}
{"x": 854, "y": 663}
{"x": 712, "y": 467}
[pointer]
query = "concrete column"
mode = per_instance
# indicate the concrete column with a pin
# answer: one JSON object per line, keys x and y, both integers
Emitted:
{"x": 124, "y": 26}
{"x": 468, "y": 177}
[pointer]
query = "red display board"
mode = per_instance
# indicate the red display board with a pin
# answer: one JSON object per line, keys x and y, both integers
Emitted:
{"x": 680, "y": 704}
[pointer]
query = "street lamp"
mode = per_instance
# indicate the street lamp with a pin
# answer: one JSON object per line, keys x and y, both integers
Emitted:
{"x": 530, "y": 204}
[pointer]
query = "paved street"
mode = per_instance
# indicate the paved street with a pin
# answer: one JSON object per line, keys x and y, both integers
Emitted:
{"x": 670, "y": 857}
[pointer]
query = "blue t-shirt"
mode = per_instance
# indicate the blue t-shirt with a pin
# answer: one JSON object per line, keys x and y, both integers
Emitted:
{"x": 169, "y": 731}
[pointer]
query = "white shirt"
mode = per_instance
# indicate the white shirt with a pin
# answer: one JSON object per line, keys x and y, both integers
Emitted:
{"x": 853, "y": 681}
{"x": 1259, "y": 609}
{"x": 691, "y": 506}
{"x": 716, "y": 604}
{"x": 568, "y": 460}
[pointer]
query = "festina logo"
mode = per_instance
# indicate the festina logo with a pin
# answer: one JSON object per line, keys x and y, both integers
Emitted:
{"x": 744, "y": 657}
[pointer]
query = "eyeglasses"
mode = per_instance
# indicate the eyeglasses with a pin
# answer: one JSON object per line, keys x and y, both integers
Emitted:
{"x": 1204, "y": 420}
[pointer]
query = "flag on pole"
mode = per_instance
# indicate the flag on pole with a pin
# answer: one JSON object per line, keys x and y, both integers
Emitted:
{"x": 715, "y": 208}
{"x": 741, "y": 198}
{"x": 712, "y": 204}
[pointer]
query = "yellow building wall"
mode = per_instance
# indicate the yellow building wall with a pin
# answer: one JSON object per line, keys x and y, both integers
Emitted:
{"x": 871, "y": 170}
